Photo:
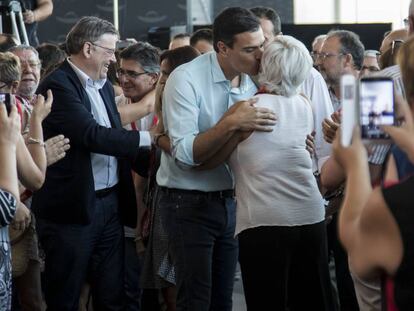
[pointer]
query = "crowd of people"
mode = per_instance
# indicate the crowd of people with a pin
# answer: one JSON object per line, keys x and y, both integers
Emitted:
{"x": 137, "y": 179}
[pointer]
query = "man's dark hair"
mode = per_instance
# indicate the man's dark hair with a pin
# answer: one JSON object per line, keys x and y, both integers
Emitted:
{"x": 146, "y": 55}
{"x": 182, "y": 35}
{"x": 179, "y": 56}
{"x": 51, "y": 55}
{"x": 350, "y": 44}
{"x": 87, "y": 29}
{"x": 269, "y": 14}
{"x": 201, "y": 34}
{"x": 233, "y": 21}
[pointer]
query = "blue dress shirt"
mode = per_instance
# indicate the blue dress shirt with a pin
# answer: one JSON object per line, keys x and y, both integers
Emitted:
{"x": 196, "y": 96}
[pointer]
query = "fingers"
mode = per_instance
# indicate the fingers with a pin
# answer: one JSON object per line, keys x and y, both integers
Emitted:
{"x": 264, "y": 113}
{"x": 53, "y": 140}
{"x": 22, "y": 224}
{"x": 329, "y": 129}
{"x": 332, "y": 124}
{"x": 252, "y": 101}
{"x": 40, "y": 99}
{"x": 49, "y": 97}
{"x": 3, "y": 112}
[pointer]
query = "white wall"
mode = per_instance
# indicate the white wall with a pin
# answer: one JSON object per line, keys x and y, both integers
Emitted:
{"x": 351, "y": 11}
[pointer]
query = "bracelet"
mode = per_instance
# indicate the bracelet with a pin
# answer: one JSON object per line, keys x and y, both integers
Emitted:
{"x": 34, "y": 141}
{"x": 156, "y": 140}
{"x": 138, "y": 238}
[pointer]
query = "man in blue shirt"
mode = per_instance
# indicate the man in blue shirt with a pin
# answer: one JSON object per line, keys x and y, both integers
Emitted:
{"x": 198, "y": 120}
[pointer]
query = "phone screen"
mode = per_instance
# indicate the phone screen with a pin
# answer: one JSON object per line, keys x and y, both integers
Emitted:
{"x": 376, "y": 106}
{"x": 5, "y": 98}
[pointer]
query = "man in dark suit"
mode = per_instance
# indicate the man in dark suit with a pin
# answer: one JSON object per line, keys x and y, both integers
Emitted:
{"x": 85, "y": 195}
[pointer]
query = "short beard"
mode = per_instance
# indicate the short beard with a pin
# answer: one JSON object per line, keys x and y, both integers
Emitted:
{"x": 27, "y": 92}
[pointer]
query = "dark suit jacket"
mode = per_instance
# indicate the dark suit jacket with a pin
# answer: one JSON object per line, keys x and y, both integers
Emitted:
{"x": 68, "y": 194}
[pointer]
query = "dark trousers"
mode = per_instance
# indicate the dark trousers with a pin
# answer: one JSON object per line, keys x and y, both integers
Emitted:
{"x": 344, "y": 283}
{"x": 204, "y": 248}
{"x": 286, "y": 268}
{"x": 76, "y": 253}
{"x": 133, "y": 265}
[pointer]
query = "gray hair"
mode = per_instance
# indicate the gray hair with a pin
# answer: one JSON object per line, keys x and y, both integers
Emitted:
{"x": 87, "y": 29}
{"x": 286, "y": 63}
{"x": 146, "y": 55}
{"x": 23, "y": 47}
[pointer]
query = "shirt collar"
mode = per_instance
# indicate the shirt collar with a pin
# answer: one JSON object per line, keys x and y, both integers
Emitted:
{"x": 216, "y": 71}
{"x": 218, "y": 75}
{"x": 85, "y": 80}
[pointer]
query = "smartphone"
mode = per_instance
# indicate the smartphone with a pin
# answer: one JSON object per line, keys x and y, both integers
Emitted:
{"x": 6, "y": 99}
{"x": 376, "y": 97}
{"x": 349, "y": 100}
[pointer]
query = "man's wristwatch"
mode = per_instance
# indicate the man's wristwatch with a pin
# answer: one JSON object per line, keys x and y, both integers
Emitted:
{"x": 157, "y": 137}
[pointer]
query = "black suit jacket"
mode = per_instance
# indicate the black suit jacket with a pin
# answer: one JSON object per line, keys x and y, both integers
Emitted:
{"x": 68, "y": 194}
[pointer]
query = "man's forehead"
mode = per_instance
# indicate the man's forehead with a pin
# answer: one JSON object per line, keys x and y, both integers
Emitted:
{"x": 26, "y": 54}
{"x": 246, "y": 39}
{"x": 130, "y": 63}
{"x": 330, "y": 43}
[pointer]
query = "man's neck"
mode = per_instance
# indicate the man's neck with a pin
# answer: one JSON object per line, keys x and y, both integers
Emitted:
{"x": 229, "y": 72}
{"x": 337, "y": 87}
{"x": 79, "y": 63}
{"x": 336, "y": 90}
{"x": 29, "y": 98}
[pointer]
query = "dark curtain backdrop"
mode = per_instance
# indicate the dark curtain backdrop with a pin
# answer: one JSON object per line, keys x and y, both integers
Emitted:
{"x": 136, "y": 16}
{"x": 283, "y": 7}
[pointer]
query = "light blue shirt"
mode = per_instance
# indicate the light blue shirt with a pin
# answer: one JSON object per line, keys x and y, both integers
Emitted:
{"x": 104, "y": 167}
{"x": 196, "y": 96}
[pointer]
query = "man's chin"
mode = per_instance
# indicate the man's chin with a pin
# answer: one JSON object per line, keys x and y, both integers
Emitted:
{"x": 27, "y": 91}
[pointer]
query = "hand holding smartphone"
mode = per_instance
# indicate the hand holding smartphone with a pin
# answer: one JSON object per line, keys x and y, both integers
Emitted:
{"x": 369, "y": 103}
{"x": 377, "y": 107}
{"x": 6, "y": 99}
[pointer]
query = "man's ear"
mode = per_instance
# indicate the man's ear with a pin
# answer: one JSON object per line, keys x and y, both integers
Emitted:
{"x": 154, "y": 78}
{"x": 222, "y": 48}
{"x": 349, "y": 60}
{"x": 14, "y": 86}
{"x": 87, "y": 50}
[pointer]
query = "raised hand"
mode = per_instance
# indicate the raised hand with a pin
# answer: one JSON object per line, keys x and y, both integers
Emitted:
{"x": 22, "y": 218}
{"x": 9, "y": 125}
{"x": 56, "y": 148}
{"x": 329, "y": 129}
{"x": 42, "y": 107}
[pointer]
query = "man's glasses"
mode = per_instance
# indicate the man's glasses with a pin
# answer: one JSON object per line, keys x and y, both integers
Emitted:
{"x": 322, "y": 56}
{"x": 129, "y": 73}
{"x": 107, "y": 50}
{"x": 314, "y": 55}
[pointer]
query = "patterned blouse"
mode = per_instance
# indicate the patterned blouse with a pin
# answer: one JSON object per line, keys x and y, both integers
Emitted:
{"x": 7, "y": 211}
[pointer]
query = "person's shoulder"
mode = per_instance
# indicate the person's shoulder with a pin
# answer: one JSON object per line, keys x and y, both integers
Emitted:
{"x": 392, "y": 72}
{"x": 194, "y": 65}
{"x": 314, "y": 77}
{"x": 61, "y": 77}
{"x": 60, "y": 73}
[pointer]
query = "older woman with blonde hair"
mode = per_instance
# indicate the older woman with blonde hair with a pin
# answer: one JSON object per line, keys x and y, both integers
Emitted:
{"x": 280, "y": 213}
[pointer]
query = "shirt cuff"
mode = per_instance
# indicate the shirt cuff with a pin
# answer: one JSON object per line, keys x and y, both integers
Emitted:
{"x": 144, "y": 139}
